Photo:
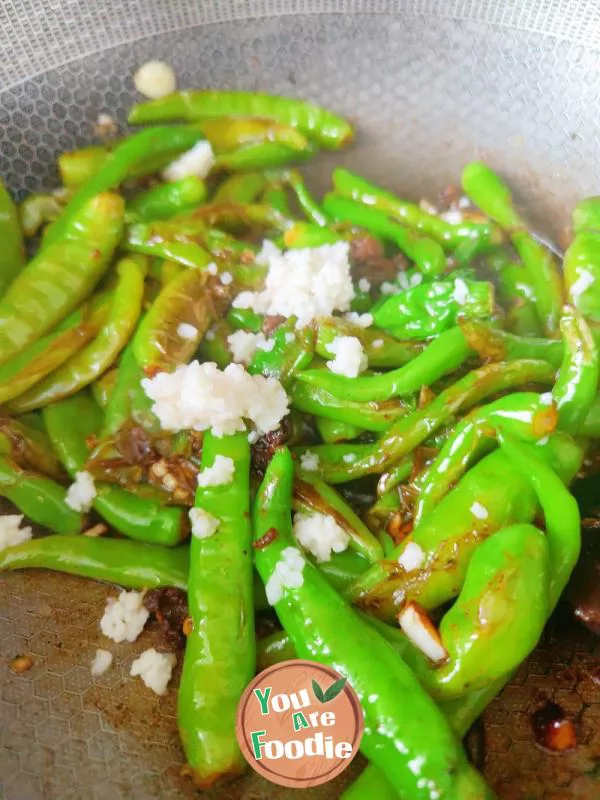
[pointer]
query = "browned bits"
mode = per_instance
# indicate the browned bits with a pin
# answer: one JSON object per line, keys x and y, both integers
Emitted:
{"x": 266, "y": 539}
{"x": 398, "y": 527}
{"x": 271, "y": 323}
{"x": 169, "y": 606}
{"x": 425, "y": 397}
{"x": 21, "y": 664}
{"x": 364, "y": 249}
{"x": 262, "y": 451}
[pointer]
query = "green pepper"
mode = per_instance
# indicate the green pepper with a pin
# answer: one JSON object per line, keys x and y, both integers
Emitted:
{"x": 292, "y": 351}
{"x": 220, "y": 652}
{"x": 304, "y": 198}
{"x": 471, "y": 236}
{"x": 102, "y": 388}
{"x": 12, "y": 257}
{"x": 70, "y": 423}
{"x": 327, "y": 129}
{"x": 333, "y": 431}
{"x": 427, "y": 254}
{"x": 368, "y": 416}
{"x": 167, "y": 199}
{"x": 60, "y": 277}
{"x": 27, "y": 368}
{"x": 215, "y": 345}
{"x": 162, "y": 239}
{"x": 515, "y": 293}
{"x": 40, "y": 498}
{"x": 245, "y": 319}
{"x": 492, "y": 195}
{"x": 525, "y": 414}
{"x": 493, "y": 344}
{"x": 170, "y": 332}
{"x": 133, "y": 565}
{"x": 230, "y": 133}
{"x": 95, "y": 358}
{"x": 577, "y": 381}
{"x": 445, "y": 353}
{"x": 491, "y": 496}
{"x": 29, "y": 446}
{"x": 321, "y": 626}
{"x": 427, "y": 310}
{"x": 410, "y": 430}
{"x": 129, "y": 156}
{"x": 78, "y": 166}
{"x": 312, "y": 495}
{"x": 381, "y": 349}
{"x": 240, "y": 189}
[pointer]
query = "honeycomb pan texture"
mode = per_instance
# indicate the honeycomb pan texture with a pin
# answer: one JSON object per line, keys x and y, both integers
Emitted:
{"x": 430, "y": 84}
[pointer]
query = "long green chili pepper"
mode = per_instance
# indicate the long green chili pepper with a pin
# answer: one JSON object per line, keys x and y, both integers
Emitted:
{"x": 129, "y": 156}
{"x": 60, "y": 277}
{"x": 214, "y": 346}
{"x": 160, "y": 239}
{"x": 95, "y": 358}
{"x": 170, "y": 332}
{"x": 491, "y": 496}
{"x": 228, "y": 134}
{"x": 314, "y": 495}
{"x": 220, "y": 651}
{"x": 381, "y": 349}
{"x": 251, "y": 215}
{"x": 292, "y": 351}
{"x": 78, "y": 166}
{"x": 40, "y": 498}
{"x": 493, "y": 344}
{"x": 167, "y": 199}
{"x": 102, "y": 387}
{"x": 245, "y": 319}
{"x": 414, "y": 731}
{"x": 304, "y": 198}
{"x": 70, "y": 423}
{"x": 561, "y": 513}
{"x": 445, "y": 353}
{"x": 577, "y": 382}
{"x": 581, "y": 264}
{"x": 410, "y": 430}
{"x": 27, "y": 368}
{"x": 500, "y": 612}
{"x": 430, "y": 308}
{"x": 515, "y": 293}
{"x": 262, "y": 155}
{"x": 12, "y": 256}
{"x": 240, "y": 189}
{"x": 275, "y": 196}
{"x": 29, "y": 447}
{"x": 477, "y": 236}
{"x": 128, "y": 401}
{"x": 368, "y": 416}
{"x": 492, "y": 195}
{"x": 525, "y": 414}
{"x": 326, "y": 128}
{"x": 427, "y": 254}
{"x": 333, "y": 431}
{"x": 133, "y": 565}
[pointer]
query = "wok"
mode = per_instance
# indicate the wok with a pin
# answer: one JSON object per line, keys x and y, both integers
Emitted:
{"x": 430, "y": 84}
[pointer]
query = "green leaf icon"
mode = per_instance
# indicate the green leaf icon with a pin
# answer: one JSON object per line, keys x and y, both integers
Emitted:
{"x": 335, "y": 688}
{"x": 318, "y": 692}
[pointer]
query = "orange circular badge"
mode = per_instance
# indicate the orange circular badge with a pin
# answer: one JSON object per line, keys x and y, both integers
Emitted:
{"x": 299, "y": 724}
